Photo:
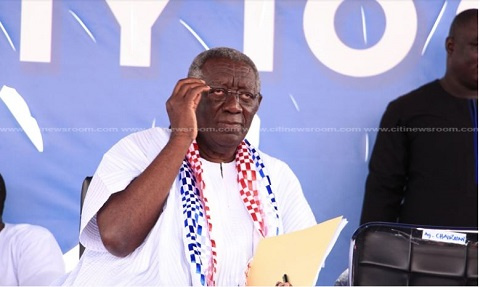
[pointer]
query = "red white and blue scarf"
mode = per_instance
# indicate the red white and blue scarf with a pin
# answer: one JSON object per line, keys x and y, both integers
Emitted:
{"x": 200, "y": 247}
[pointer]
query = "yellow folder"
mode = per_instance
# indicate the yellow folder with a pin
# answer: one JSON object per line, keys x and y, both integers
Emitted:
{"x": 300, "y": 255}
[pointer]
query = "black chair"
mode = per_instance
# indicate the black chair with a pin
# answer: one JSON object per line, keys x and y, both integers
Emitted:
{"x": 85, "y": 184}
{"x": 400, "y": 254}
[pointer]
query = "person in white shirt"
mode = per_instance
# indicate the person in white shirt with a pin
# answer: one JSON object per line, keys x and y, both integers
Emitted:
{"x": 187, "y": 205}
{"x": 29, "y": 254}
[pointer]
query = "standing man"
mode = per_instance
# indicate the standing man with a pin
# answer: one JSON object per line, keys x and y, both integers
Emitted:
{"x": 187, "y": 206}
{"x": 423, "y": 168}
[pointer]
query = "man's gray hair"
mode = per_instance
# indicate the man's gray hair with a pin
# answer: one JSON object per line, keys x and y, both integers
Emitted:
{"x": 195, "y": 70}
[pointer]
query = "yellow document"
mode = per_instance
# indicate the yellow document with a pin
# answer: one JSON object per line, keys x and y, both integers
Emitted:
{"x": 300, "y": 255}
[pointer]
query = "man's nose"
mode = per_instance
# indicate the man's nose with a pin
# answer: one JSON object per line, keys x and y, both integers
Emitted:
{"x": 232, "y": 102}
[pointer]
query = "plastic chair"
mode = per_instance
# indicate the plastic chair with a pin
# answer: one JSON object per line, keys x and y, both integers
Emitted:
{"x": 399, "y": 254}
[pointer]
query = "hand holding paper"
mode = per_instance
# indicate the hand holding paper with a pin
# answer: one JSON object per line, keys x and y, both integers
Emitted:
{"x": 300, "y": 254}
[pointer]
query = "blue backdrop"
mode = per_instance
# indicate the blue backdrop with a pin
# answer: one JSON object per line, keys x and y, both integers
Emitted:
{"x": 77, "y": 76}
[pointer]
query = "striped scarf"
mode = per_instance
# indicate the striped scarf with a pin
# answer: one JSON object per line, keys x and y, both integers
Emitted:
{"x": 200, "y": 247}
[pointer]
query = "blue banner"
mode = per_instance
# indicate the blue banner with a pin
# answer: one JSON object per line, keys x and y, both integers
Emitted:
{"x": 77, "y": 76}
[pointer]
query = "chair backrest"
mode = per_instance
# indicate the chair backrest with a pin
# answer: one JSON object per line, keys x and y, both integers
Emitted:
{"x": 85, "y": 184}
{"x": 399, "y": 254}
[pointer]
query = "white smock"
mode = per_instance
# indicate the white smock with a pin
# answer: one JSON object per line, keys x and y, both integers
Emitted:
{"x": 161, "y": 259}
{"x": 29, "y": 255}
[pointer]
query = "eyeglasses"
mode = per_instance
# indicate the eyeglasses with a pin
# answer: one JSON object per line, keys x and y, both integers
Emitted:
{"x": 220, "y": 95}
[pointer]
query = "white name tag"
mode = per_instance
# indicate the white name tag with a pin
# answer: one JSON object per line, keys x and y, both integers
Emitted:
{"x": 444, "y": 236}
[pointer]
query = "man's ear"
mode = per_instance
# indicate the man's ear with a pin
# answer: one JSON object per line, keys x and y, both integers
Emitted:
{"x": 449, "y": 45}
{"x": 259, "y": 99}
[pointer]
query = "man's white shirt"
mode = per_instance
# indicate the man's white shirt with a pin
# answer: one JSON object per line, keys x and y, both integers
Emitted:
{"x": 161, "y": 259}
